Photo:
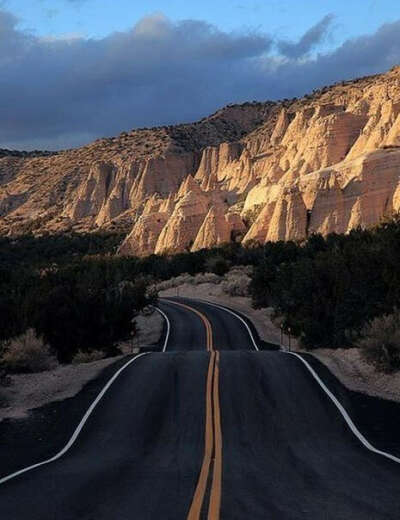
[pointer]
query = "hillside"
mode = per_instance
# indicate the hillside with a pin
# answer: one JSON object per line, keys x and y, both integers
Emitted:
{"x": 253, "y": 172}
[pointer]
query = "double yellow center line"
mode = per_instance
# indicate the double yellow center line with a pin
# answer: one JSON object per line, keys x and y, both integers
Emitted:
{"x": 204, "y": 319}
{"x": 212, "y": 449}
{"x": 212, "y": 460}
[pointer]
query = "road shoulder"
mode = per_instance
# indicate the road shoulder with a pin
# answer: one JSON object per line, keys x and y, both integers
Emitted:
{"x": 47, "y": 429}
{"x": 377, "y": 419}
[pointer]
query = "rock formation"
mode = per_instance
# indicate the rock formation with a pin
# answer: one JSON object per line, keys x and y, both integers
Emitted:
{"x": 253, "y": 172}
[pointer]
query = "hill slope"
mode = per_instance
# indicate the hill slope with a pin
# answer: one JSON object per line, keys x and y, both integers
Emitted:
{"x": 254, "y": 172}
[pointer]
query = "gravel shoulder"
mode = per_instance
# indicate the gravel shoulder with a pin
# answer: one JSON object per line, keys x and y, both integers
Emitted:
{"x": 29, "y": 391}
{"x": 41, "y": 434}
{"x": 357, "y": 375}
{"x": 376, "y": 417}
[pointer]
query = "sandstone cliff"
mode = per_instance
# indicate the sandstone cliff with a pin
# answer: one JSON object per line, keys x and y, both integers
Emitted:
{"x": 252, "y": 172}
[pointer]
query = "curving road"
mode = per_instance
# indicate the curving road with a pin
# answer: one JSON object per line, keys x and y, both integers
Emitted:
{"x": 210, "y": 429}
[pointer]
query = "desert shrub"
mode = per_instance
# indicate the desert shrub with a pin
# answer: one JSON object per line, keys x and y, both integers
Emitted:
{"x": 186, "y": 278}
{"x": 217, "y": 264}
{"x": 236, "y": 283}
{"x": 175, "y": 282}
{"x": 87, "y": 357}
{"x": 206, "y": 278}
{"x": 163, "y": 286}
{"x": 380, "y": 342}
{"x": 27, "y": 353}
{"x": 183, "y": 278}
{"x": 241, "y": 269}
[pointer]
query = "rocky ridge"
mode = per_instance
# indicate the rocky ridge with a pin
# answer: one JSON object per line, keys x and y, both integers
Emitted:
{"x": 252, "y": 173}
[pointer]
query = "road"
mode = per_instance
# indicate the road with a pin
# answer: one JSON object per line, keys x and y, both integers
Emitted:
{"x": 210, "y": 429}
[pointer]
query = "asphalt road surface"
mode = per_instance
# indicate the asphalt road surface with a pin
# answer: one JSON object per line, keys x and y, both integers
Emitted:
{"x": 210, "y": 429}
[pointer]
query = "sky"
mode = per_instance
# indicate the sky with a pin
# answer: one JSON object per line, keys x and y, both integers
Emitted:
{"x": 75, "y": 70}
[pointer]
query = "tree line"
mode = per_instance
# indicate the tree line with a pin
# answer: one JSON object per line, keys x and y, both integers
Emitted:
{"x": 79, "y": 295}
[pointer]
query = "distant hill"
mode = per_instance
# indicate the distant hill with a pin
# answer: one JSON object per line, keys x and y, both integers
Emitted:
{"x": 329, "y": 161}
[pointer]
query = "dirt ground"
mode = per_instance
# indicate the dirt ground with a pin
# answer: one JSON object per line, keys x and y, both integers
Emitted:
{"x": 29, "y": 391}
{"x": 349, "y": 367}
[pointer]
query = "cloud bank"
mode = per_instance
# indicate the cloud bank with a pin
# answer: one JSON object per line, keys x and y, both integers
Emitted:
{"x": 62, "y": 92}
{"x": 311, "y": 39}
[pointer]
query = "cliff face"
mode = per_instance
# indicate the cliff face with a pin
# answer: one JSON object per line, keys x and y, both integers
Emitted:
{"x": 254, "y": 172}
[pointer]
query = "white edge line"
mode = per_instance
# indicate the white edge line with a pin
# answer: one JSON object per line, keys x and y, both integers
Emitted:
{"x": 331, "y": 396}
{"x": 79, "y": 427}
{"x": 168, "y": 327}
{"x": 344, "y": 413}
{"x": 233, "y": 314}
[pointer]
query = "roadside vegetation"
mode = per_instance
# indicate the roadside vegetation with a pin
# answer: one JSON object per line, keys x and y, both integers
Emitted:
{"x": 64, "y": 299}
{"x": 379, "y": 341}
{"x": 27, "y": 353}
{"x": 234, "y": 282}
{"x": 338, "y": 291}
{"x": 329, "y": 289}
{"x": 74, "y": 296}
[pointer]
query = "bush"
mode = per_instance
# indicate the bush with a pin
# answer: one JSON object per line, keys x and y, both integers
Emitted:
{"x": 182, "y": 279}
{"x": 380, "y": 342}
{"x": 241, "y": 269}
{"x": 206, "y": 278}
{"x": 217, "y": 264}
{"x": 66, "y": 287}
{"x": 332, "y": 284}
{"x": 236, "y": 283}
{"x": 76, "y": 316}
{"x": 27, "y": 353}
{"x": 175, "y": 282}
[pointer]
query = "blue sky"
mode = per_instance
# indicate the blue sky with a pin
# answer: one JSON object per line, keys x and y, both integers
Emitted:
{"x": 282, "y": 18}
{"x": 75, "y": 70}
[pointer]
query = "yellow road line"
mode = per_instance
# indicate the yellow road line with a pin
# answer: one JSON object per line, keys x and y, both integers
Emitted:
{"x": 198, "y": 497}
{"x": 215, "y": 497}
{"x": 204, "y": 319}
{"x": 213, "y": 434}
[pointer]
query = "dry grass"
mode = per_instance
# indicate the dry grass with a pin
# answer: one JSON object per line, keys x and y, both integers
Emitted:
{"x": 27, "y": 353}
{"x": 380, "y": 342}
